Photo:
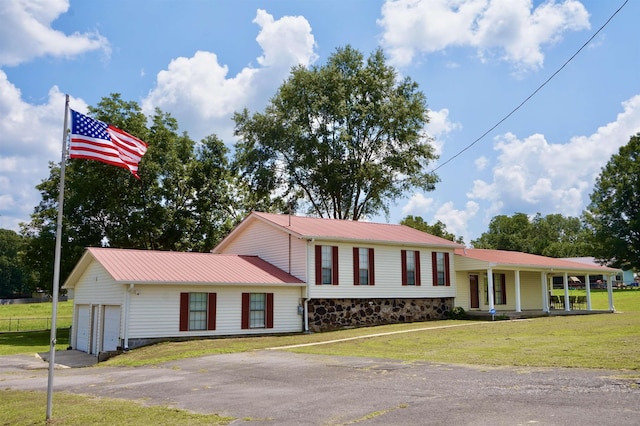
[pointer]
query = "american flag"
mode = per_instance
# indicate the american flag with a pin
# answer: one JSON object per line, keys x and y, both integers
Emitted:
{"x": 94, "y": 140}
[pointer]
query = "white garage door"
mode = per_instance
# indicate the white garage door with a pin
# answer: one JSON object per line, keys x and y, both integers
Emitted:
{"x": 111, "y": 334}
{"x": 83, "y": 328}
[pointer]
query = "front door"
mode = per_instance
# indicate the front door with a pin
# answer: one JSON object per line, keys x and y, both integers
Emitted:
{"x": 473, "y": 288}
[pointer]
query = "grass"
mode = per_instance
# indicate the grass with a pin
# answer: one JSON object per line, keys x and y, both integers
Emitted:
{"x": 34, "y": 316}
{"x": 28, "y": 408}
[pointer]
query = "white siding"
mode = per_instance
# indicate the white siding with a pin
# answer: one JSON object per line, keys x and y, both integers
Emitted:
{"x": 155, "y": 310}
{"x": 463, "y": 293}
{"x": 272, "y": 245}
{"x": 388, "y": 275}
{"x": 97, "y": 287}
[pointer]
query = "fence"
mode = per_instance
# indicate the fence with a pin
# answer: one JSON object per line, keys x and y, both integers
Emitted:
{"x": 32, "y": 324}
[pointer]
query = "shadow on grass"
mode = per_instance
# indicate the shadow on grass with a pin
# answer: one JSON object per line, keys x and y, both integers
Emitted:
{"x": 17, "y": 342}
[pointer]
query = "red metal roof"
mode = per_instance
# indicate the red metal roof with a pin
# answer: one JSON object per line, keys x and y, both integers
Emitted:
{"x": 515, "y": 258}
{"x": 313, "y": 227}
{"x": 137, "y": 266}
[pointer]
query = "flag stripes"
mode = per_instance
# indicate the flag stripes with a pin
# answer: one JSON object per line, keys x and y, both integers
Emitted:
{"x": 94, "y": 140}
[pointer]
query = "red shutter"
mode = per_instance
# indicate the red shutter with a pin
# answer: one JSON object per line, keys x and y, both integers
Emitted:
{"x": 184, "y": 311}
{"x": 356, "y": 266}
{"x": 371, "y": 276}
{"x": 434, "y": 267}
{"x": 211, "y": 312}
{"x": 447, "y": 273}
{"x": 245, "y": 311}
{"x": 334, "y": 264}
{"x": 403, "y": 261}
{"x": 417, "y": 267}
{"x": 269, "y": 312}
{"x": 318, "y": 265}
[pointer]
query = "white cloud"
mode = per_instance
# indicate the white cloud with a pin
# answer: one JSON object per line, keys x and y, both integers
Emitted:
{"x": 481, "y": 163}
{"x": 439, "y": 128}
{"x": 456, "y": 220}
{"x": 31, "y": 137}
{"x": 417, "y": 205}
{"x": 202, "y": 97}
{"x": 512, "y": 28}
{"x": 26, "y": 32}
{"x": 532, "y": 174}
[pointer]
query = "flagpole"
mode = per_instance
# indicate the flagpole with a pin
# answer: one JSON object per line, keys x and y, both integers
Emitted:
{"x": 56, "y": 265}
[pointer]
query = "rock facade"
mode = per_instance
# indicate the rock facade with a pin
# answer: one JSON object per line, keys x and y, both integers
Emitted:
{"x": 334, "y": 314}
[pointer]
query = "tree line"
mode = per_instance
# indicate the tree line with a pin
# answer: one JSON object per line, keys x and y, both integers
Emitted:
{"x": 341, "y": 140}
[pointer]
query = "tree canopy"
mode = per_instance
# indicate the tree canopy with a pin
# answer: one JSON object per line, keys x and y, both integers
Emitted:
{"x": 614, "y": 212}
{"x": 340, "y": 140}
{"x": 552, "y": 235}
{"x": 438, "y": 229}
{"x": 187, "y": 197}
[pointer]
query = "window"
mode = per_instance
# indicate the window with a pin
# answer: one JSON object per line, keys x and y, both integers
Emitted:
{"x": 499, "y": 289}
{"x": 440, "y": 265}
{"x": 257, "y": 310}
{"x": 197, "y": 311}
{"x": 410, "y": 267}
{"x": 363, "y": 266}
{"x": 326, "y": 265}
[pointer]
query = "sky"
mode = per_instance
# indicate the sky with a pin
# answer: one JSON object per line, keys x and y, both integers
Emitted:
{"x": 475, "y": 60}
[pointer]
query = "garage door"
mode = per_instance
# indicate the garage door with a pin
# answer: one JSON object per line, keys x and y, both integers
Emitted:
{"x": 111, "y": 334}
{"x": 83, "y": 328}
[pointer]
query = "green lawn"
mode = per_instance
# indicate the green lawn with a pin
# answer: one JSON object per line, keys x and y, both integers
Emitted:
{"x": 28, "y": 408}
{"x": 34, "y": 316}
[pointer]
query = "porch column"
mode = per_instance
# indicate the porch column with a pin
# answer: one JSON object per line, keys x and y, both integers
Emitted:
{"x": 567, "y": 304}
{"x": 518, "y": 305}
{"x": 588, "y": 289}
{"x": 490, "y": 288}
{"x": 610, "y": 292}
{"x": 545, "y": 292}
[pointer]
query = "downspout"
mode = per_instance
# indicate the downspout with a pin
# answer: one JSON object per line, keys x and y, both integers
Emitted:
{"x": 127, "y": 304}
{"x": 308, "y": 297}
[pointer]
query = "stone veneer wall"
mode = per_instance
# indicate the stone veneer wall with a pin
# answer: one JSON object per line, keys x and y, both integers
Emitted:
{"x": 332, "y": 314}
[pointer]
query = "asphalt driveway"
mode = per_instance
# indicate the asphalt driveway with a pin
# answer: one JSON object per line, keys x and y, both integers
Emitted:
{"x": 282, "y": 388}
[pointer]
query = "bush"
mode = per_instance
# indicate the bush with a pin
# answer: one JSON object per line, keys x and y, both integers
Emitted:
{"x": 457, "y": 313}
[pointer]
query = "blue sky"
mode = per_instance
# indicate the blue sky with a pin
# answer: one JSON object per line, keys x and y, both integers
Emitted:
{"x": 475, "y": 61}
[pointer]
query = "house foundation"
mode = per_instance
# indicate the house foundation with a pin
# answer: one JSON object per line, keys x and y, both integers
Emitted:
{"x": 334, "y": 314}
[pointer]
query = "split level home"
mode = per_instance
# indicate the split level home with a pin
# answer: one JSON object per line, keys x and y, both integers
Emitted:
{"x": 276, "y": 274}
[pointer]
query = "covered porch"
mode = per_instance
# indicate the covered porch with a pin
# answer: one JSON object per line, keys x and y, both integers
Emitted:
{"x": 514, "y": 284}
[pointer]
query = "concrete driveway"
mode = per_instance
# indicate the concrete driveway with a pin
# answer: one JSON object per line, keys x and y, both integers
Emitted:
{"x": 281, "y": 388}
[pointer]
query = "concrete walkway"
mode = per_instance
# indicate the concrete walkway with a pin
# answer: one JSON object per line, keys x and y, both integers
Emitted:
{"x": 70, "y": 359}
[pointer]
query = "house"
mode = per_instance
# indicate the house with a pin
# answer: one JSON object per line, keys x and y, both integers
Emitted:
{"x": 514, "y": 281}
{"x": 128, "y": 298}
{"x": 272, "y": 274}
{"x": 288, "y": 274}
{"x": 358, "y": 273}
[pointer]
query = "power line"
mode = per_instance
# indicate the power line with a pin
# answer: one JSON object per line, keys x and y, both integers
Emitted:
{"x": 535, "y": 91}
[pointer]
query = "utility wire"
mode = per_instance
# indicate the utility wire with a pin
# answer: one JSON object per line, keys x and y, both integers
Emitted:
{"x": 535, "y": 91}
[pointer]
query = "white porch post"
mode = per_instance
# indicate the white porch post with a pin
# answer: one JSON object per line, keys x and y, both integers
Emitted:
{"x": 588, "y": 289}
{"x": 518, "y": 305}
{"x": 490, "y": 288}
{"x": 567, "y": 305}
{"x": 610, "y": 292}
{"x": 545, "y": 292}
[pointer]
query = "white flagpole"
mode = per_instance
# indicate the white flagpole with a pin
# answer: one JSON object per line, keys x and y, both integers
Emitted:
{"x": 56, "y": 265}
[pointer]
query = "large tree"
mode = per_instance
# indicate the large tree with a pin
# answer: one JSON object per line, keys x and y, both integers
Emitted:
{"x": 614, "y": 212}
{"x": 13, "y": 279}
{"x": 340, "y": 140}
{"x": 182, "y": 201}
